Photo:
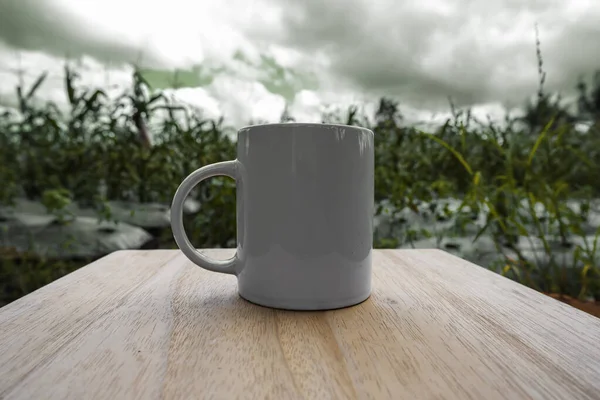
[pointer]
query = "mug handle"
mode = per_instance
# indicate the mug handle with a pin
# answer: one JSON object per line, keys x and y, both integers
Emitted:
{"x": 225, "y": 168}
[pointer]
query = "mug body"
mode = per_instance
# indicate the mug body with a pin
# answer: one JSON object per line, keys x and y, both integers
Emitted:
{"x": 304, "y": 215}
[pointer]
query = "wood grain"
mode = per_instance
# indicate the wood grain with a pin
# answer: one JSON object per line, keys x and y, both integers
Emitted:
{"x": 150, "y": 325}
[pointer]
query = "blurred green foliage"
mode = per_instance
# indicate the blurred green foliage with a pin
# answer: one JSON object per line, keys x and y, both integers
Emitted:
{"x": 100, "y": 150}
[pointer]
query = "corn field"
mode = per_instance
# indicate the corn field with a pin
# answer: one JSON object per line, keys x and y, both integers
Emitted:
{"x": 522, "y": 177}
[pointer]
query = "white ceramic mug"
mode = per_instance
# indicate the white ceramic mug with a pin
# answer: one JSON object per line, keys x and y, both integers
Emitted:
{"x": 304, "y": 215}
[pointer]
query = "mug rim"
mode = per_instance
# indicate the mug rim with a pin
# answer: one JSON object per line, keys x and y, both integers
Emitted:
{"x": 302, "y": 124}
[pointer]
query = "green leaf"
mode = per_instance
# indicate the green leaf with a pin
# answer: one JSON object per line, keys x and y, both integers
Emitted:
{"x": 539, "y": 141}
{"x": 36, "y": 85}
{"x": 456, "y": 154}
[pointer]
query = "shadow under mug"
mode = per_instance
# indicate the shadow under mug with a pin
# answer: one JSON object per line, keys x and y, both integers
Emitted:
{"x": 305, "y": 202}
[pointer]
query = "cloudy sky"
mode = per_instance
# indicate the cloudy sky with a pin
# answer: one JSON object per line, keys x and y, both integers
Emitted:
{"x": 247, "y": 58}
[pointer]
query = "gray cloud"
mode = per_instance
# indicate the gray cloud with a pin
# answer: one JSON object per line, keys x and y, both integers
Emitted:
{"x": 38, "y": 25}
{"x": 423, "y": 56}
{"x": 472, "y": 50}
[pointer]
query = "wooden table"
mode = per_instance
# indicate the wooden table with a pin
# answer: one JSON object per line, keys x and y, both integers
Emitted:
{"x": 150, "y": 325}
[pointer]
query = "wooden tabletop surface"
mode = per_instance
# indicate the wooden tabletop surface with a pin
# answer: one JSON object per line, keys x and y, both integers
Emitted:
{"x": 151, "y": 325}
